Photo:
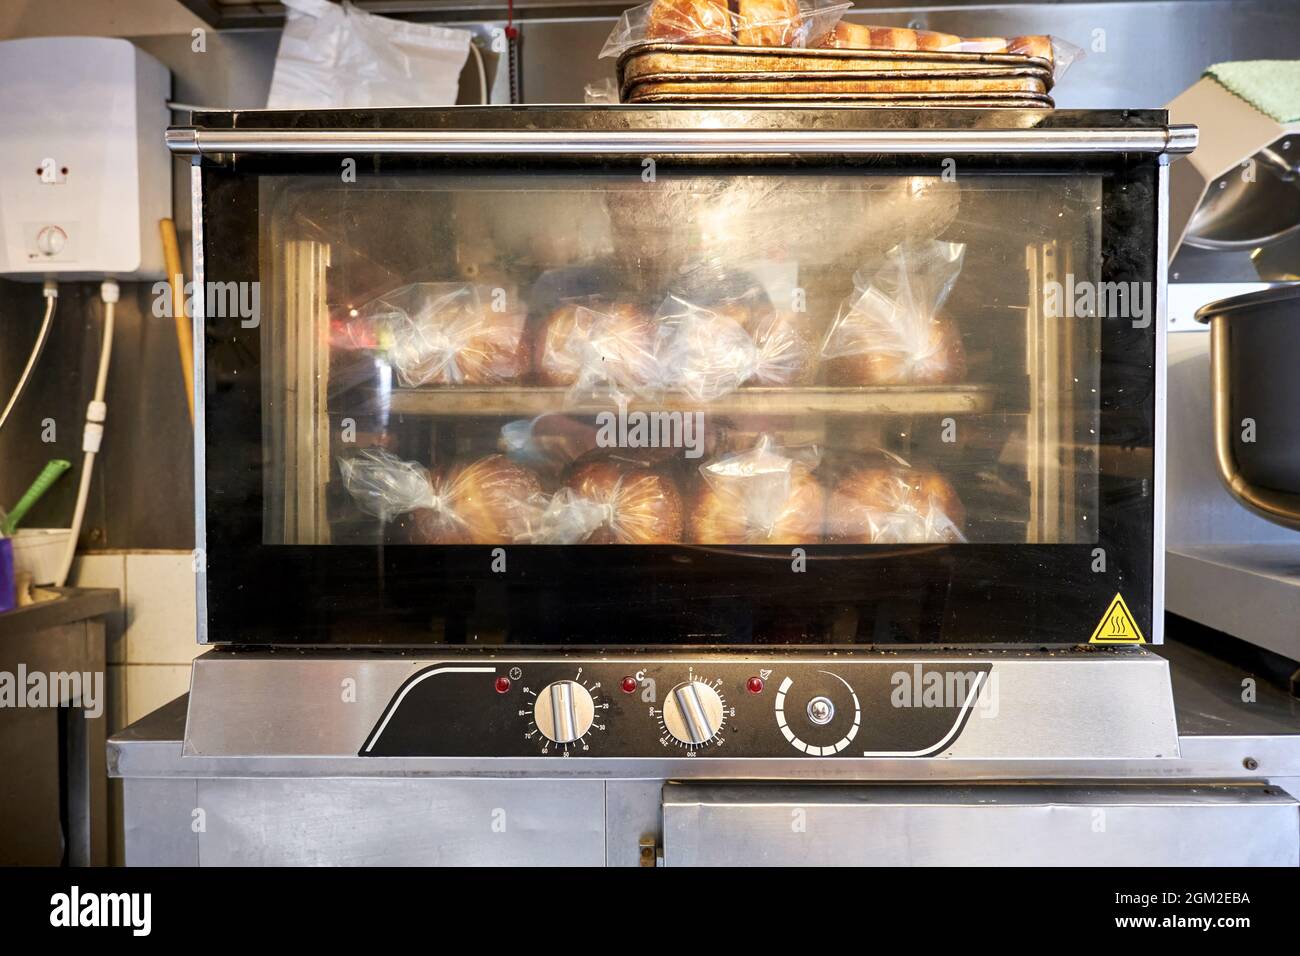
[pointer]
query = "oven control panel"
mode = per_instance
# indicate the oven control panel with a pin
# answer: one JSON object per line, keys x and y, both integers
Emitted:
{"x": 727, "y": 708}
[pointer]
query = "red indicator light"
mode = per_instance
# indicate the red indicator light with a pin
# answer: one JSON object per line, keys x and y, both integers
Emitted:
{"x": 629, "y": 685}
{"x": 754, "y": 685}
{"x": 503, "y": 684}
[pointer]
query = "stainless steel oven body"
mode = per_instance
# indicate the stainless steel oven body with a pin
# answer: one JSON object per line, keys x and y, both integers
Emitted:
{"x": 967, "y": 313}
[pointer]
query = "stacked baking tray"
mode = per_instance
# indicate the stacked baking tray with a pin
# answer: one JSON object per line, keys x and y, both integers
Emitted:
{"x": 683, "y": 73}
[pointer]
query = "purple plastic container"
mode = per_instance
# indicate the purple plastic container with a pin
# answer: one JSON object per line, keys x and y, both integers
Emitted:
{"x": 7, "y": 575}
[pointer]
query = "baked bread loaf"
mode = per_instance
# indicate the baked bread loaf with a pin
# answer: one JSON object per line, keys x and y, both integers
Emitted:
{"x": 787, "y": 351}
{"x": 768, "y": 22}
{"x": 853, "y": 36}
{"x": 690, "y": 21}
{"x": 894, "y": 506}
{"x": 483, "y": 502}
{"x": 721, "y": 515}
{"x": 453, "y": 334}
{"x": 596, "y": 342}
{"x": 640, "y": 504}
{"x": 929, "y": 354}
{"x": 891, "y": 330}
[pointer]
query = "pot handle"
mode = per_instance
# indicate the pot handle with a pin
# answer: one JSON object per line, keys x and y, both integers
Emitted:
{"x": 1279, "y": 507}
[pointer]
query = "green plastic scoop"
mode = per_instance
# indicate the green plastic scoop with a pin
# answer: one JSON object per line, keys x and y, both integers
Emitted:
{"x": 48, "y": 476}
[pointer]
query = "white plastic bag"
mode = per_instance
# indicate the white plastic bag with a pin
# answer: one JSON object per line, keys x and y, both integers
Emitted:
{"x": 334, "y": 55}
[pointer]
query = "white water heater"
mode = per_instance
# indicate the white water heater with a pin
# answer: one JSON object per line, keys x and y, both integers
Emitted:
{"x": 85, "y": 176}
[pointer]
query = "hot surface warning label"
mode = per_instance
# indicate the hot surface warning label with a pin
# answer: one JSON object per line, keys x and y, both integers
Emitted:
{"x": 1117, "y": 625}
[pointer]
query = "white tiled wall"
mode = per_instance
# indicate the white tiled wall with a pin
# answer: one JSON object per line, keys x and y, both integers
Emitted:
{"x": 152, "y": 642}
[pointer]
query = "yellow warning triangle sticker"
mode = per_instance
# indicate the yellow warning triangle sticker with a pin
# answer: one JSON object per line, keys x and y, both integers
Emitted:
{"x": 1117, "y": 625}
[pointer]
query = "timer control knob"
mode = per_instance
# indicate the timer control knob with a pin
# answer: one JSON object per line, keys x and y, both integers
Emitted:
{"x": 693, "y": 712}
{"x": 564, "y": 711}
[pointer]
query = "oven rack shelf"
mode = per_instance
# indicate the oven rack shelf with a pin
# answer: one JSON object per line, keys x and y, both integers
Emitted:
{"x": 505, "y": 400}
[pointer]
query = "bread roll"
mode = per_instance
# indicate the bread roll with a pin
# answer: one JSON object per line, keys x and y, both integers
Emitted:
{"x": 984, "y": 45}
{"x": 595, "y": 342}
{"x": 725, "y": 513}
{"x": 937, "y": 42}
{"x": 483, "y": 502}
{"x": 852, "y": 36}
{"x": 787, "y": 351}
{"x": 456, "y": 337}
{"x": 642, "y": 505}
{"x": 690, "y": 21}
{"x": 768, "y": 22}
{"x": 1036, "y": 46}
{"x": 702, "y": 352}
{"x": 894, "y": 506}
{"x": 931, "y": 354}
{"x": 893, "y": 38}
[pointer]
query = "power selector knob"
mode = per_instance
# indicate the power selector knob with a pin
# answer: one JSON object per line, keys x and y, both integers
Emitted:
{"x": 693, "y": 712}
{"x": 564, "y": 711}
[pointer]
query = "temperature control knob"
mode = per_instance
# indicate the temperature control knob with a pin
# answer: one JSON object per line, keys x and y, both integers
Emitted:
{"x": 51, "y": 240}
{"x": 564, "y": 711}
{"x": 693, "y": 712}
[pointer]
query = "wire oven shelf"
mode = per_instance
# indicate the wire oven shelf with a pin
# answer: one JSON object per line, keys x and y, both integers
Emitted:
{"x": 509, "y": 400}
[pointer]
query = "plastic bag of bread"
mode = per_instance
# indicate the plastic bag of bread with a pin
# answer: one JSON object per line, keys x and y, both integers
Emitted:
{"x": 856, "y": 36}
{"x": 783, "y": 23}
{"x": 787, "y": 350}
{"x": 710, "y": 351}
{"x": 703, "y": 352}
{"x": 594, "y": 344}
{"x": 891, "y": 330}
{"x": 612, "y": 499}
{"x": 765, "y": 495}
{"x": 487, "y": 501}
{"x": 894, "y": 503}
{"x": 547, "y": 444}
{"x": 452, "y": 333}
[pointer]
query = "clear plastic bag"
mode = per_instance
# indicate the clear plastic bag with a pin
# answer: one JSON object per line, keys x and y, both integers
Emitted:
{"x": 702, "y": 352}
{"x": 598, "y": 346}
{"x": 566, "y": 518}
{"x": 787, "y": 351}
{"x": 783, "y": 23}
{"x": 547, "y": 444}
{"x": 487, "y": 501}
{"x": 765, "y": 495}
{"x": 894, "y": 503}
{"x": 384, "y": 485}
{"x": 856, "y": 36}
{"x": 890, "y": 330}
{"x": 612, "y": 499}
{"x": 335, "y": 55}
{"x": 452, "y": 333}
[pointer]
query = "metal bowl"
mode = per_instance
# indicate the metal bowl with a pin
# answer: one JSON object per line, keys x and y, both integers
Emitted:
{"x": 1254, "y": 357}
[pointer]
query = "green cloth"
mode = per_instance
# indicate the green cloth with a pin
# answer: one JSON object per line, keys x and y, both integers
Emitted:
{"x": 1271, "y": 86}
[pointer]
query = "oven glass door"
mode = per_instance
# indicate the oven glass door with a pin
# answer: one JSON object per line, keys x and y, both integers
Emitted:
{"x": 678, "y": 403}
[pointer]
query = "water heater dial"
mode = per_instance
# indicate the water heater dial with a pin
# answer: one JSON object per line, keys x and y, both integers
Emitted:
{"x": 564, "y": 711}
{"x": 51, "y": 240}
{"x": 693, "y": 713}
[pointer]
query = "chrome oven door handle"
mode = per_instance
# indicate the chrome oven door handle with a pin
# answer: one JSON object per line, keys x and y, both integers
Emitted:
{"x": 189, "y": 140}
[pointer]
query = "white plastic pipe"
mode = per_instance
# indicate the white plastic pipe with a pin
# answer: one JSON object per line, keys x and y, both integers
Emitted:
{"x": 51, "y": 293}
{"x": 93, "y": 434}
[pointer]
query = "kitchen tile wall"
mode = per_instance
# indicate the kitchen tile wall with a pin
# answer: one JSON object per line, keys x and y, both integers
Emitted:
{"x": 151, "y": 642}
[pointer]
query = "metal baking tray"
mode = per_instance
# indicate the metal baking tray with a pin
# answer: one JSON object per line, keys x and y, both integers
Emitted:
{"x": 900, "y": 100}
{"x": 679, "y": 59}
{"x": 816, "y": 83}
